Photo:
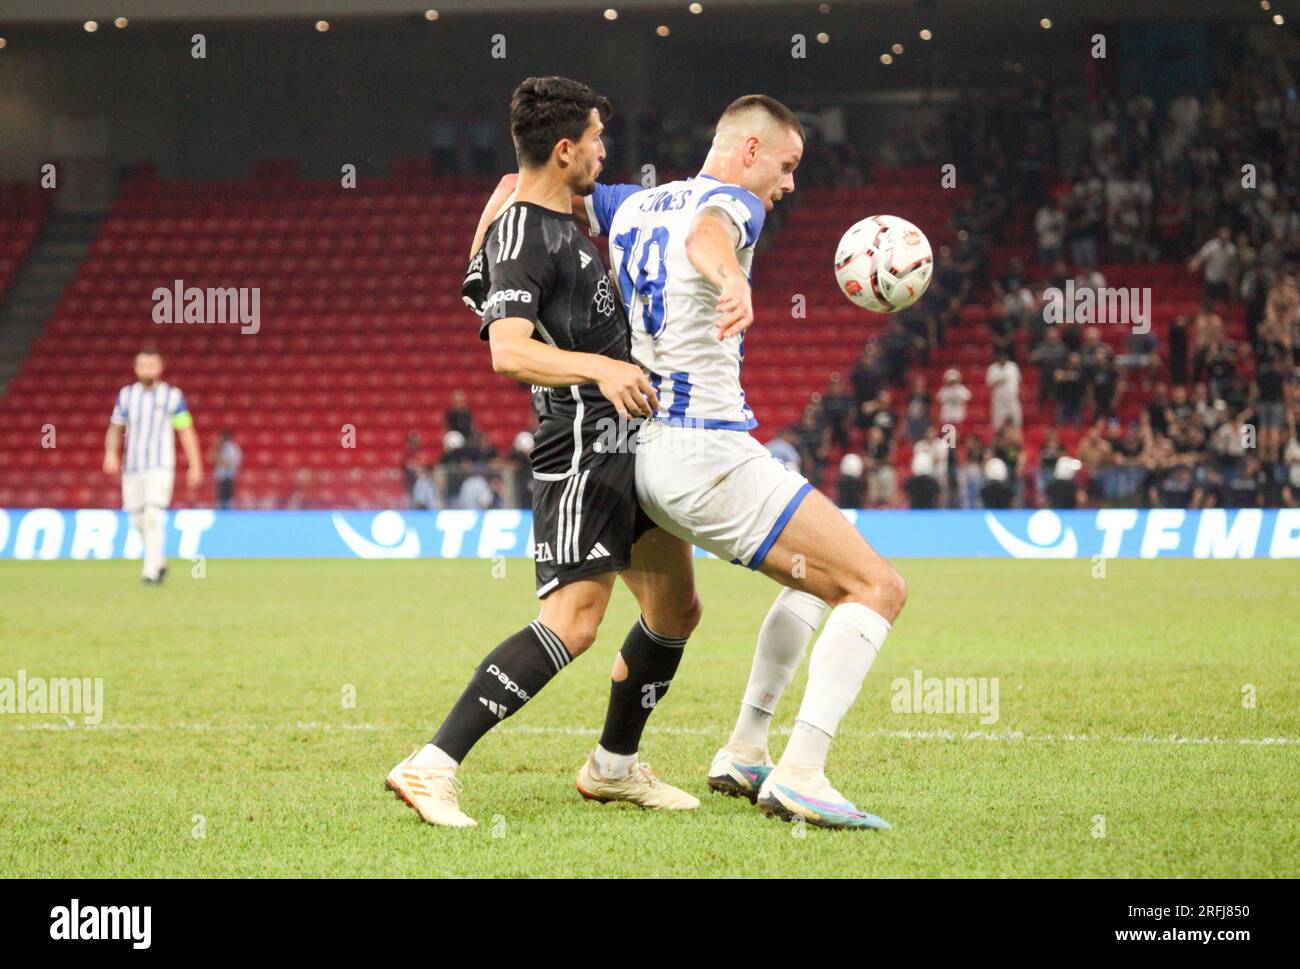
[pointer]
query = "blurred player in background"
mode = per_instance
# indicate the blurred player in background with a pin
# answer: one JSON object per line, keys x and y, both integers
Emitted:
{"x": 152, "y": 413}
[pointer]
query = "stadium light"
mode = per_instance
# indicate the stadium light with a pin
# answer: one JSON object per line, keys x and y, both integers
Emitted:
{"x": 322, "y": 26}
{"x": 1265, "y": 5}
{"x": 662, "y": 30}
{"x": 91, "y": 26}
{"x": 886, "y": 58}
{"x": 120, "y": 22}
{"x": 825, "y": 8}
{"x": 823, "y": 38}
{"x": 431, "y": 15}
{"x": 897, "y": 48}
{"x": 1279, "y": 19}
{"x": 1045, "y": 23}
{"x": 696, "y": 8}
{"x": 3, "y": 43}
{"x": 611, "y": 13}
{"x": 925, "y": 34}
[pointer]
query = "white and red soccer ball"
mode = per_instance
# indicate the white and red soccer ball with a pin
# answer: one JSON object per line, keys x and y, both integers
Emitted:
{"x": 884, "y": 263}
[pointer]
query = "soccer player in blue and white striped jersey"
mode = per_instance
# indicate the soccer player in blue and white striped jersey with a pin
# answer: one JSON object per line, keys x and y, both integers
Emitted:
{"x": 151, "y": 412}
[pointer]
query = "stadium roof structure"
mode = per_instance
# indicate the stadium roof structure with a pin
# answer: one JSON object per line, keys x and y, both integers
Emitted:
{"x": 947, "y": 11}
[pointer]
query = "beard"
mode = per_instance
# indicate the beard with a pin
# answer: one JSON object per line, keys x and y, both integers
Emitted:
{"x": 586, "y": 184}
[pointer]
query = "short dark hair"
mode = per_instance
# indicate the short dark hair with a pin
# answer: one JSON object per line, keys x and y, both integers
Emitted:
{"x": 544, "y": 110}
{"x": 774, "y": 108}
{"x": 149, "y": 352}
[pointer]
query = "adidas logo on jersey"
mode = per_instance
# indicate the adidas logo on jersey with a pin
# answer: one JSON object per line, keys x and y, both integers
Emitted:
{"x": 584, "y": 259}
{"x": 495, "y": 707}
{"x": 598, "y": 552}
{"x": 542, "y": 552}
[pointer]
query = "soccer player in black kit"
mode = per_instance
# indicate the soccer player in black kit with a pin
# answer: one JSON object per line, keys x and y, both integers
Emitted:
{"x": 553, "y": 320}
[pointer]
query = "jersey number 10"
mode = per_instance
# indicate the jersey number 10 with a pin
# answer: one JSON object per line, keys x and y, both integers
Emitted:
{"x": 646, "y": 291}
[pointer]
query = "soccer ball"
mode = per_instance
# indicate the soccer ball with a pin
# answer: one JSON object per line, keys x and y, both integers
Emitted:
{"x": 884, "y": 263}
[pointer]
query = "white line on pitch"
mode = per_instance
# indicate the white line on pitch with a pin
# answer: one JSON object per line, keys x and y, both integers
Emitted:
{"x": 995, "y": 736}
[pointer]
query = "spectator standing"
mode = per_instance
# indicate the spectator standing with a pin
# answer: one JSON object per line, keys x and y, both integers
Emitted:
{"x": 225, "y": 468}
{"x": 458, "y": 417}
{"x": 1049, "y": 223}
{"x": 881, "y": 478}
{"x": 1003, "y": 382}
{"x": 917, "y": 417}
{"x": 953, "y": 397}
{"x": 1218, "y": 258}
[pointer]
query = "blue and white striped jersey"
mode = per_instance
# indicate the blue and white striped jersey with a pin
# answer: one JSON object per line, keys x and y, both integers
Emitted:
{"x": 151, "y": 417}
{"x": 671, "y": 307}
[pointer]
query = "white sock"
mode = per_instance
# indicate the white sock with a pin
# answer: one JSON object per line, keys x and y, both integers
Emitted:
{"x": 430, "y": 756}
{"x": 152, "y": 535}
{"x": 807, "y": 748}
{"x": 782, "y": 641}
{"x": 613, "y": 766}
{"x": 840, "y": 661}
{"x": 751, "y": 729}
{"x": 137, "y": 522}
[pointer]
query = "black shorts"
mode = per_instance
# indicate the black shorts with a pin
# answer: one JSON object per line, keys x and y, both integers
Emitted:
{"x": 585, "y": 524}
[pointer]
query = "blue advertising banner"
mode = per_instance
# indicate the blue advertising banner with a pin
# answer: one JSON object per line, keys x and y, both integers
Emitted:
{"x": 48, "y": 533}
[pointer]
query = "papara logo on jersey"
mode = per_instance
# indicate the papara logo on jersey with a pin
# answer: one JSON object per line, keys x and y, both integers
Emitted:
{"x": 389, "y": 537}
{"x": 1048, "y": 537}
{"x": 509, "y": 295}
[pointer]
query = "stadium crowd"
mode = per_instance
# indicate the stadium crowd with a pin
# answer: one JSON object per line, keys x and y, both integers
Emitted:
{"x": 1182, "y": 415}
{"x": 1213, "y": 421}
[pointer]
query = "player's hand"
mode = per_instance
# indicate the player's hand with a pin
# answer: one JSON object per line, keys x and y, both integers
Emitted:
{"x": 474, "y": 287}
{"x": 626, "y": 386}
{"x": 735, "y": 308}
{"x": 194, "y": 477}
{"x": 112, "y": 463}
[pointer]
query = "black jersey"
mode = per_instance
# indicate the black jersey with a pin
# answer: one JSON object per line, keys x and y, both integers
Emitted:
{"x": 542, "y": 267}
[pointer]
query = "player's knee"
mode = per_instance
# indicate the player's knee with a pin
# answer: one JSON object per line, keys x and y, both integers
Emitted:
{"x": 681, "y": 622}
{"x": 894, "y": 590}
{"x": 580, "y": 634}
{"x": 877, "y": 585}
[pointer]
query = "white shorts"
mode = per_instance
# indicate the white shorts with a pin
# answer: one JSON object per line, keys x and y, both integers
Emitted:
{"x": 147, "y": 488}
{"x": 719, "y": 489}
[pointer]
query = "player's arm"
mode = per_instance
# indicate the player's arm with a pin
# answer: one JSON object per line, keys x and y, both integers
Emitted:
{"x": 190, "y": 445}
{"x": 595, "y": 212}
{"x": 516, "y": 354}
{"x": 711, "y": 248}
{"x": 520, "y": 280}
{"x": 113, "y": 449}
{"x": 501, "y": 196}
{"x": 474, "y": 287}
{"x": 183, "y": 422}
{"x": 113, "y": 436}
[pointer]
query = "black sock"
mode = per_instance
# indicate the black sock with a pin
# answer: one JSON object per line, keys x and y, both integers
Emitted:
{"x": 651, "y": 661}
{"x": 508, "y": 677}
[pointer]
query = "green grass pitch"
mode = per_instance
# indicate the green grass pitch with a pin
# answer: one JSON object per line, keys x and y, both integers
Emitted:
{"x": 1126, "y": 743}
